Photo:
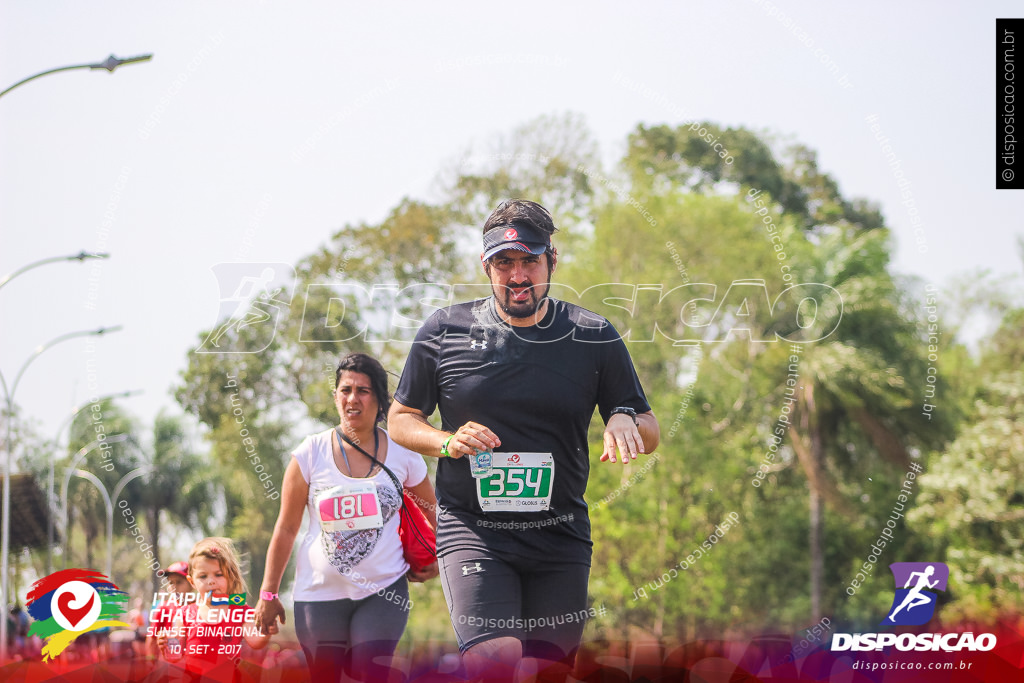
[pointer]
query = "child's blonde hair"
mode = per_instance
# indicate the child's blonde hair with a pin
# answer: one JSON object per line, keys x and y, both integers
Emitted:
{"x": 223, "y": 551}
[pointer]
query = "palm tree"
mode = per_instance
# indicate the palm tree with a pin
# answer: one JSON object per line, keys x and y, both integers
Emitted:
{"x": 179, "y": 483}
{"x": 859, "y": 387}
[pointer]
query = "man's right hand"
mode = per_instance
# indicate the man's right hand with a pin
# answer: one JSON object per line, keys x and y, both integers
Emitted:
{"x": 470, "y": 438}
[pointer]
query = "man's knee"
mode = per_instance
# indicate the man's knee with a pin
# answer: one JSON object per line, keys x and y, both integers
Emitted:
{"x": 493, "y": 659}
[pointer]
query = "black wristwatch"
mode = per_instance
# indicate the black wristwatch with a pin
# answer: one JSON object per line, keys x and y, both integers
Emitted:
{"x": 625, "y": 411}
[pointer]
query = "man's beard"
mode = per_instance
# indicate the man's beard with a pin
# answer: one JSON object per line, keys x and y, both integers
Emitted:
{"x": 517, "y": 309}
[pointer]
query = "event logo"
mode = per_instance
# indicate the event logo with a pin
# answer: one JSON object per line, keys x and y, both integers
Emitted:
{"x": 252, "y": 302}
{"x": 71, "y": 602}
{"x": 914, "y": 603}
{"x": 686, "y": 314}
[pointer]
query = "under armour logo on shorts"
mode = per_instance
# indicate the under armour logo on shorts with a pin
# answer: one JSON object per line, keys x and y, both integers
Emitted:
{"x": 466, "y": 569}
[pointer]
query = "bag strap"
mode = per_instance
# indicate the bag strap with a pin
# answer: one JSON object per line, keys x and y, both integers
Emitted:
{"x": 401, "y": 489}
{"x": 372, "y": 458}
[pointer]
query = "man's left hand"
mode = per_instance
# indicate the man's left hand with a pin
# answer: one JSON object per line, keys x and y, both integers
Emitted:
{"x": 622, "y": 435}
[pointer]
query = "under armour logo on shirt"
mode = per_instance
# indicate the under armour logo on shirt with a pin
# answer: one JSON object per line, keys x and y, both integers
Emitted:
{"x": 466, "y": 569}
{"x": 478, "y": 344}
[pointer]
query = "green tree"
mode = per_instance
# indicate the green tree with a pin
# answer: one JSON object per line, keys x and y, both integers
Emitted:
{"x": 858, "y": 401}
{"x": 972, "y": 496}
{"x": 367, "y": 290}
{"x": 548, "y": 160}
{"x": 860, "y": 391}
{"x": 682, "y": 157}
{"x": 237, "y": 398}
{"x": 693, "y": 352}
{"x": 179, "y": 484}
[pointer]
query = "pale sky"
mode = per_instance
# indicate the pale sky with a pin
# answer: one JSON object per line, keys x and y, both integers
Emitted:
{"x": 259, "y": 129}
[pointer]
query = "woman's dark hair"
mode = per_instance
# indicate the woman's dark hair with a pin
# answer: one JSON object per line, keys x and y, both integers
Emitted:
{"x": 371, "y": 367}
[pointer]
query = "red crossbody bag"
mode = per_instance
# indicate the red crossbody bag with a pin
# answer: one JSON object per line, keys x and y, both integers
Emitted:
{"x": 419, "y": 542}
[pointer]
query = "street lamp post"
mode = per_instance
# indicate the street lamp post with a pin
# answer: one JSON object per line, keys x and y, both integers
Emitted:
{"x": 89, "y": 476}
{"x": 110, "y": 63}
{"x": 73, "y": 470}
{"x": 109, "y": 501}
{"x": 5, "y": 542}
{"x": 80, "y": 257}
{"x": 53, "y": 462}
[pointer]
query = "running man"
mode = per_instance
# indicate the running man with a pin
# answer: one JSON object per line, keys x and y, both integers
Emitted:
{"x": 252, "y": 295}
{"x": 519, "y": 374}
{"x": 914, "y": 597}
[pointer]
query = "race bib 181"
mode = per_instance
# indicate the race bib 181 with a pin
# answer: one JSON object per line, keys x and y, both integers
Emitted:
{"x": 350, "y": 507}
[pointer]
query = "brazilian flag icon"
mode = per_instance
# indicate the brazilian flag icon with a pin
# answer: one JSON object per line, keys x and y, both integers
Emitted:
{"x": 236, "y": 599}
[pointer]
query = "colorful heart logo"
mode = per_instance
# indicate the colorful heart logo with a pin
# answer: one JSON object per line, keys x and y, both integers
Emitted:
{"x": 76, "y": 606}
{"x": 71, "y": 602}
{"x": 74, "y": 615}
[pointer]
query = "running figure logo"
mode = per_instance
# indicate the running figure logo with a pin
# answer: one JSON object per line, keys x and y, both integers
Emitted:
{"x": 914, "y": 603}
{"x": 253, "y": 297}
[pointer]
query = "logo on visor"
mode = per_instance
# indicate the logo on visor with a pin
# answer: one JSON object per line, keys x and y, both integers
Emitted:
{"x": 511, "y": 234}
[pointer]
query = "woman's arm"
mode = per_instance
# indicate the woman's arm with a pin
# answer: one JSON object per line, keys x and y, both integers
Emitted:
{"x": 295, "y": 491}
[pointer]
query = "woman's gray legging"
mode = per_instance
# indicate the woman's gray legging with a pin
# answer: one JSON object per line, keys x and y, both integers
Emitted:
{"x": 345, "y": 635}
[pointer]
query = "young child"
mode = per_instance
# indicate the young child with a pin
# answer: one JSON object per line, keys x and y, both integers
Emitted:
{"x": 162, "y": 617}
{"x": 216, "y": 623}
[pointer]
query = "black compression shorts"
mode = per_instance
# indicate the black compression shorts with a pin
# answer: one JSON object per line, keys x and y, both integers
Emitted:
{"x": 493, "y": 595}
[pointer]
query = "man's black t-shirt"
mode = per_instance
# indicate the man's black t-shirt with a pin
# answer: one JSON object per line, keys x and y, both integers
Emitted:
{"x": 536, "y": 388}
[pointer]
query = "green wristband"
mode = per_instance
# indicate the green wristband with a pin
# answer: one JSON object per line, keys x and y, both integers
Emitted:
{"x": 444, "y": 447}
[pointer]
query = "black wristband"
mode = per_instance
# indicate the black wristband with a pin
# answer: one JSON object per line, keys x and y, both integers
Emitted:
{"x": 625, "y": 411}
